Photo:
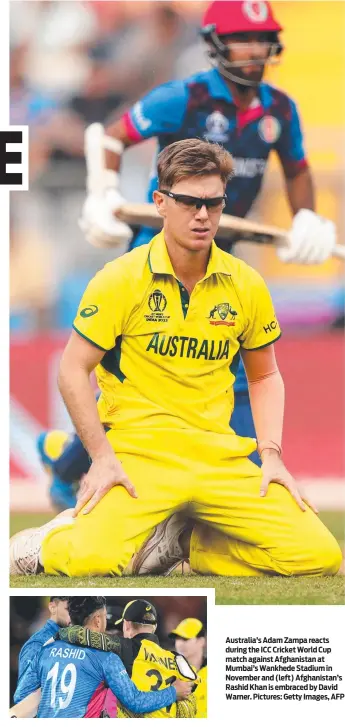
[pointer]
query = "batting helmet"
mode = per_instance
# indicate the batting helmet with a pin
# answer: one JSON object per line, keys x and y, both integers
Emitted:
{"x": 240, "y": 17}
{"x": 224, "y": 18}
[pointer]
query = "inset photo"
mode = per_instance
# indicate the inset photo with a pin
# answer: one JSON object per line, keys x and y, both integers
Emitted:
{"x": 117, "y": 656}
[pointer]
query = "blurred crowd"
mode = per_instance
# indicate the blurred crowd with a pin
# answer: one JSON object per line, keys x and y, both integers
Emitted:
{"x": 73, "y": 62}
{"x": 29, "y": 613}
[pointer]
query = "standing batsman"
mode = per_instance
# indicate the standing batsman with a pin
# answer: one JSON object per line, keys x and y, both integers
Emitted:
{"x": 163, "y": 328}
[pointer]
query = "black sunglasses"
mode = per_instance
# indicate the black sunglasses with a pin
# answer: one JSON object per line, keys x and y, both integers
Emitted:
{"x": 197, "y": 202}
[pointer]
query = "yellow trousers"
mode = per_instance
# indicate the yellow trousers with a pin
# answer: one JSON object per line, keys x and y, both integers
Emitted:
{"x": 173, "y": 470}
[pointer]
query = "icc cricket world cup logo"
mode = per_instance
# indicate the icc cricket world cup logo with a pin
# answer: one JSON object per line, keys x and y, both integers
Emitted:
{"x": 157, "y": 301}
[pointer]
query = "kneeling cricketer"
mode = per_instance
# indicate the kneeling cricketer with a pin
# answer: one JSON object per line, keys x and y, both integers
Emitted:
{"x": 164, "y": 327}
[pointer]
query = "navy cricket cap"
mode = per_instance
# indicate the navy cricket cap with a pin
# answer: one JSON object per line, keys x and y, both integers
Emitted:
{"x": 139, "y": 611}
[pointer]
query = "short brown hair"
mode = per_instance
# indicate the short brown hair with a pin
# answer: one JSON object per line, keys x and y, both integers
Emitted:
{"x": 192, "y": 158}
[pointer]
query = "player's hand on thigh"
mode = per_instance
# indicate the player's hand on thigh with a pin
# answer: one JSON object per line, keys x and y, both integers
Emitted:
{"x": 105, "y": 472}
{"x": 274, "y": 470}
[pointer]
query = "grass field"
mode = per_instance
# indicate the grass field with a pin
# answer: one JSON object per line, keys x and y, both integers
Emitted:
{"x": 265, "y": 590}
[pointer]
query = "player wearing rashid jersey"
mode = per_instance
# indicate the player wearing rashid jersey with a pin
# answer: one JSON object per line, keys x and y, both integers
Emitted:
{"x": 71, "y": 680}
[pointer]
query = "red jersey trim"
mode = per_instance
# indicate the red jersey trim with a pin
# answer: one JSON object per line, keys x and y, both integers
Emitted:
{"x": 131, "y": 131}
{"x": 246, "y": 117}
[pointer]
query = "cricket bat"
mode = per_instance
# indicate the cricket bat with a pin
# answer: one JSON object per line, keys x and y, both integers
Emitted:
{"x": 146, "y": 214}
{"x": 133, "y": 213}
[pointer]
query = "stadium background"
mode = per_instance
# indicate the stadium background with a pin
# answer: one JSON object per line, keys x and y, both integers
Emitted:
{"x": 77, "y": 62}
{"x": 29, "y": 613}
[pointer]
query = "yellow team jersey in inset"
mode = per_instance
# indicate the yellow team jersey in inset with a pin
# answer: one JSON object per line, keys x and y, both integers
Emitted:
{"x": 170, "y": 359}
{"x": 201, "y": 692}
{"x": 155, "y": 668}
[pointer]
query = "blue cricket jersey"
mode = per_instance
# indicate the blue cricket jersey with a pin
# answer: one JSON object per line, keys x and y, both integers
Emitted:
{"x": 30, "y": 649}
{"x": 71, "y": 677}
{"x": 202, "y": 106}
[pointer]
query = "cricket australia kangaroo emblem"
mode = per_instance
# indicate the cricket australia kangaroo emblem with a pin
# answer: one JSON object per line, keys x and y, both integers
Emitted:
{"x": 222, "y": 315}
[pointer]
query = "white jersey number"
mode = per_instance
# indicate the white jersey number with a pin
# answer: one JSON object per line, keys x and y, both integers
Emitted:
{"x": 67, "y": 689}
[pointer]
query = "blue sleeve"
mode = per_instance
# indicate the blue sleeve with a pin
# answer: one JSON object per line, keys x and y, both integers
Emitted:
{"x": 126, "y": 692}
{"x": 29, "y": 680}
{"x": 73, "y": 462}
{"x": 290, "y": 145}
{"x": 26, "y": 655}
{"x": 160, "y": 112}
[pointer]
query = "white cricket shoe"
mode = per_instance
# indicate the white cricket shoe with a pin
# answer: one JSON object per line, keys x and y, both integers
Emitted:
{"x": 163, "y": 552}
{"x": 25, "y": 546}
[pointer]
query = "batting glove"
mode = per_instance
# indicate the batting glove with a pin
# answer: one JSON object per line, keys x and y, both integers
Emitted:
{"x": 98, "y": 221}
{"x": 311, "y": 239}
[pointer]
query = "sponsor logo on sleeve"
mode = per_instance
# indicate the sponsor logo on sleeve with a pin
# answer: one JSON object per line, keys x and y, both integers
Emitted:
{"x": 270, "y": 327}
{"x": 89, "y": 311}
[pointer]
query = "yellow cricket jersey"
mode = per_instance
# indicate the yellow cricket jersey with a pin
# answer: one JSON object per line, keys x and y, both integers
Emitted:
{"x": 155, "y": 668}
{"x": 201, "y": 692}
{"x": 170, "y": 360}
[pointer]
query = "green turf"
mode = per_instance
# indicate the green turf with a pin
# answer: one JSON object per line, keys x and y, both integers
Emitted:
{"x": 335, "y": 522}
{"x": 22, "y": 520}
{"x": 265, "y": 590}
{"x": 275, "y": 590}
